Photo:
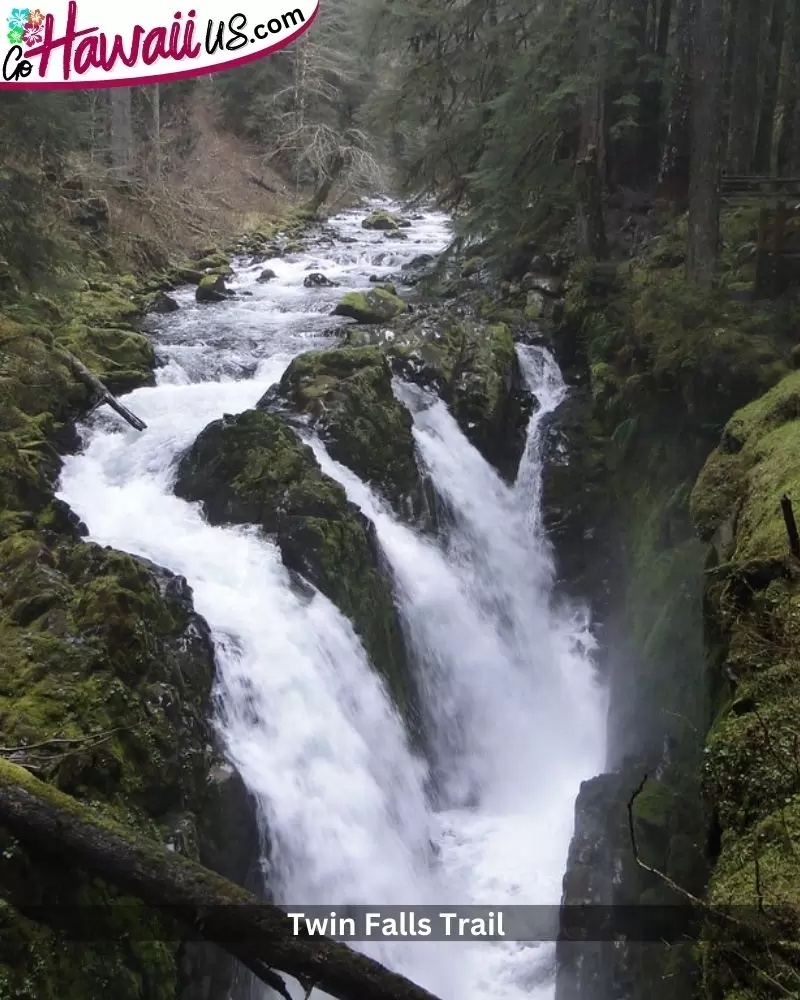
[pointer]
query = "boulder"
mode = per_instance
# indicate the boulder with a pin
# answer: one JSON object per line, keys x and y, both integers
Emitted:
{"x": 474, "y": 368}
{"x": 213, "y": 261}
{"x": 189, "y": 275}
{"x": 375, "y": 306}
{"x": 267, "y": 275}
{"x": 163, "y": 303}
{"x": 212, "y": 289}
{"x": 317, "y": 280}
{"x": 253, "y": 469}
{"x": 347, "y": 397}
{"x": 380, "y": 220}
{"x": 396, "y": 235}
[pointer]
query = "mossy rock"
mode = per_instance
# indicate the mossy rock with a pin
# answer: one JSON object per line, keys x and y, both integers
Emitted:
{"x": 103, "y": 650}
{"x": 216, "y": 262}
{"x": 212, "y": 289}
{"x": 374, "y": 306}
{"x": 253, "y": 469}
{"x": 756, "y": 463}
{"x": 347, "y": 394}
{"x": 381, "y": 220}
{"x": 472, "y": 266}
{"x": 474, "y": 367}
{"x": 123, "y": 359}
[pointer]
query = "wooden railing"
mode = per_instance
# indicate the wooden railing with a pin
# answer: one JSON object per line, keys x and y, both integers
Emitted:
{"x": 778, "y": 233}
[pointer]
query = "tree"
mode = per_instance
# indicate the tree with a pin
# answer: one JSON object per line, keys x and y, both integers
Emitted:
{"x": 704, "y": 201}
{"x": 769, "y": 93}
{"x": 675, "y": 162}
{"x": 788, "y": 154}
{"x": 260, "y": 935}
{"x": 744, "y": 87}
{"x": 121, "y": 132}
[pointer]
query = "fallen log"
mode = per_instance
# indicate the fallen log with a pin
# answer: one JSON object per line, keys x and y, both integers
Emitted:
{"x": 102, "y": 393}
{"x": 259, "y": 935}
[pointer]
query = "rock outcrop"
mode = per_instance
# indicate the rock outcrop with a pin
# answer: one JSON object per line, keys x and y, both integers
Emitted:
{"x": 473, "y": 366}
{"x": 347, "y": 397}
{"x": 253, "y": 469}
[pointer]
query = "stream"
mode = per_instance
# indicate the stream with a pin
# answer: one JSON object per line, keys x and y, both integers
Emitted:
{"x": 514, "y": 717}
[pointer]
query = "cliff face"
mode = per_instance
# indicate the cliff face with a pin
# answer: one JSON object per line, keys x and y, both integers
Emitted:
{"x": 656, "y": 374}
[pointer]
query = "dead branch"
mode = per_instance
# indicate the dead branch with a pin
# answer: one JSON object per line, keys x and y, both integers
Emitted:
{"x": 259, "y": 935}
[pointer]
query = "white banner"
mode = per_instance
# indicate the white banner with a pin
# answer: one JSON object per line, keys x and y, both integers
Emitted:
{"x": 93, "y": 44}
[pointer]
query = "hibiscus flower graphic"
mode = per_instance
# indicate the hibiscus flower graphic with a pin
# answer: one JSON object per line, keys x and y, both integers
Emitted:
{"x": 35, "y": 18}
{"x": 19, "y": 18}
{"x": 15, "y": 36}
{"x": 33, "y": 34}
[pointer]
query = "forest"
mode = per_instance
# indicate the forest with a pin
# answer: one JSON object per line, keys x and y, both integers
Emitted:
{"x": 539, "y": 493}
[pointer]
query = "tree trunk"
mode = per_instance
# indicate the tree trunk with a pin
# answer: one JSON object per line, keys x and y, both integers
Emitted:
{"x": 322, "y": 193}
{"x": 664, "y": 20}
{"x": 788, "y": 144}
{"x": 744, "y": 87}
{"x": 155, "y": 138}
{"x": 260, "y": 935}
{"x": 591, "y": 223}
{"x": 703, "y": 237}
{"x": 769, "y": 97}
{"x": 731, "y": 34}
{"x": 121, "y": 132}
{"x": 673, "y": 180}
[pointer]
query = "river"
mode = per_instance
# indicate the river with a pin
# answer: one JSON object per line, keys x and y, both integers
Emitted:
{"x": 513, "y": 714}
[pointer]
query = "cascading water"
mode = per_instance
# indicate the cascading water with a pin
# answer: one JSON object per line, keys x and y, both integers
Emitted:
{"x": 513, "y": 717}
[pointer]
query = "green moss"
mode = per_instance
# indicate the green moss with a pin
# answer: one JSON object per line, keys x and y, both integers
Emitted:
{"x": 253, "y": 469}
{"x": 348, "y": 394}
{"x": 381, "y": 220}
{"x": 757, "y": 462}
{"x": 378, "y": 305}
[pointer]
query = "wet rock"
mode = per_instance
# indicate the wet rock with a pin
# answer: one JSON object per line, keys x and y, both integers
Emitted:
{"x": 252, "y": 469}
{"x": 380, "y": 220}
{"x": 396, "y": 235}
{"x": 267, "y": 275}
{"x": 375, "y": 306}
{"x": 346, "y": 394}
{"x": 189, "y": 275}
{"x": 211, "y": 289}
{"x": 318, "y": 280}
{"x": 163, "y": 303}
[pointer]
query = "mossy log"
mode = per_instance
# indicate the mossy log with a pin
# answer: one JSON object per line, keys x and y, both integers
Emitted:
{"x": 258, "y": 934}
{"x": 102, "y": 392}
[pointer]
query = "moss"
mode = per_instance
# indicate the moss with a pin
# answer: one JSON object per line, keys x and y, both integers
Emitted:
{"x": 348, "y": 395}
{"x": 378, "y": 305}
{"x": 381, "y": 220}
{"x": 252, "y": 468}
{"x": 757, "y": 462}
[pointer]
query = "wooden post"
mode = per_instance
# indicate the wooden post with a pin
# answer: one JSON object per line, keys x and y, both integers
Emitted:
{"x": 761, "y": 242}
{"x": 791, "y": 526}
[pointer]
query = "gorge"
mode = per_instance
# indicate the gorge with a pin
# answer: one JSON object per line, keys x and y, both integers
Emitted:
{"x": 468, "y": 798}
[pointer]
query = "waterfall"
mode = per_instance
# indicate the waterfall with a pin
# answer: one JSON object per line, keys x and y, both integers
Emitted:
{"x": 512, "y": 716}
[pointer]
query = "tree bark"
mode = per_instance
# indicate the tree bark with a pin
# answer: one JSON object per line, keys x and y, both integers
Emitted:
{"x": 260, "y": 935}
{"x": 591, "y": 222}
{"x": 102, "y": 394}
{"x": 744, "y": 87}
{"x": 121, "y": 132}
{"x": 788, "y": 140}
{"x": 769, "y": 97}
{"x": 703, "y": 237}
{"x": 673, "y": 182}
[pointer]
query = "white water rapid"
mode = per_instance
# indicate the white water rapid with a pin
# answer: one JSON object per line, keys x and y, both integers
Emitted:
{"x": 513, "y": 716}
